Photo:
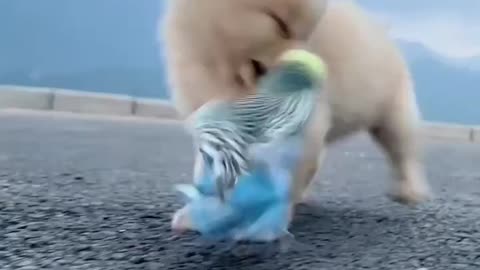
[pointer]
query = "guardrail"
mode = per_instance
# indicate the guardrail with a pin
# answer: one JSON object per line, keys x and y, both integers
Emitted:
{"x": 38, "y": 98}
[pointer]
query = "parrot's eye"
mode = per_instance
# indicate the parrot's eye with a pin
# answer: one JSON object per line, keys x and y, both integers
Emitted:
{"x": 206, "y": 157}
{"x": 258, "y": 68}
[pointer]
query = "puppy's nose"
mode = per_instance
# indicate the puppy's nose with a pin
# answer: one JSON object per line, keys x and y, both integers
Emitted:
{"x": 295, "y": 45}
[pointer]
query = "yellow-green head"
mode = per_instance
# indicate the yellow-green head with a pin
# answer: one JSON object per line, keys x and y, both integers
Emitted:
{"x": 313, "y": 63}
{"x": 296, "y": 70}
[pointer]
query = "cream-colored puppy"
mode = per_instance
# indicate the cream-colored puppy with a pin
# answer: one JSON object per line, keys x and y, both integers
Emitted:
{"x": 219, "y": 48}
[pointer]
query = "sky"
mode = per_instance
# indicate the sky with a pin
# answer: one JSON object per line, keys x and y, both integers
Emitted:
{"x": 448, "y": 27}
{"x": 111, "y": 45}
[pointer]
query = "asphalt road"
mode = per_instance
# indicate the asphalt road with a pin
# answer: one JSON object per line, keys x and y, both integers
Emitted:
{"x": 91, "y": 194}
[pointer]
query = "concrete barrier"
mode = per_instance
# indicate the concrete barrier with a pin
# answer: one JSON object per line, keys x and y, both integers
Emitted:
{"x": 35, "y": 98}
{"x": 92, "y": 103}
{"x": 25, "y": 97}
{"x": 153, "y": 108}
{"x": 476, "y": 134}
{"x": 448, "y": 131}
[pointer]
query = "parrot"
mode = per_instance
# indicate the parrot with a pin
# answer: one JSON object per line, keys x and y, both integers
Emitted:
{"x": 258, "y": 207}
{"x": 250, "y": 147}
{"x": 225, "y": 130}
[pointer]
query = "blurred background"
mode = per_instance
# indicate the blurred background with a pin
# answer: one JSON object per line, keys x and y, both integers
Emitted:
{"x": 111, "y": 46}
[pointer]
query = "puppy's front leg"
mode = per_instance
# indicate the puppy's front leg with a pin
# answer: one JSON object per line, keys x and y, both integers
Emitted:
{"x": 311, "y": 162}
{"x": 314, "y": 151}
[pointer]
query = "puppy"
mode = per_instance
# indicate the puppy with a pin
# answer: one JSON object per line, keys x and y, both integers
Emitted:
{"x": 217, "y": 49}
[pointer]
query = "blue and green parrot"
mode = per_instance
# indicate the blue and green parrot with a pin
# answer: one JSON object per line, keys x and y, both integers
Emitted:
{"x": 251, "y": 148}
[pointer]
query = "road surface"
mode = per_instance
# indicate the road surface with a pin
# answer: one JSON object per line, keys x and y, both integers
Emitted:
{"x": 86, "y": 193}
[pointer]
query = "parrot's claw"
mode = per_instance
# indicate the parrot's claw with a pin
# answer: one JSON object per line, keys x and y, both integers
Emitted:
{"x": 231, "y": 183}
{"x": 223, "y": 185}
{"x": 220, "y": 189}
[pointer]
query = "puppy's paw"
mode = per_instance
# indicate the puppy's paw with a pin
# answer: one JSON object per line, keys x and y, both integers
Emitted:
{"x": 181, "y": 221}
{"x": 307, "y": 200}
{"x": 411, "y": 193}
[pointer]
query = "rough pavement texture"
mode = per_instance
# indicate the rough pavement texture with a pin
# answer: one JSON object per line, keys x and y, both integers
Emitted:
{"x": 96, "y": 194}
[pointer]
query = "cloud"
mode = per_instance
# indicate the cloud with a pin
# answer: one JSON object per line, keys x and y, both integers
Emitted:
{"x": 453, "y": 37}
{"x": 449, "y": 30}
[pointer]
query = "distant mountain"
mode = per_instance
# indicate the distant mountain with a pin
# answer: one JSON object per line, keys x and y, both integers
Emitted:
{"x": 446, "y": 91}
{"x": 471, "y": 63}
{"x": 415, "y": 50}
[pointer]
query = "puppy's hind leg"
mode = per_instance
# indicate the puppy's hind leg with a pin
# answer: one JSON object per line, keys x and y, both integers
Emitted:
{"x": 398, "y": 134}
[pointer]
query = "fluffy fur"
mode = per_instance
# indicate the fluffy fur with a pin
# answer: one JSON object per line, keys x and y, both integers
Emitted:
{"x": 217, "y": 49}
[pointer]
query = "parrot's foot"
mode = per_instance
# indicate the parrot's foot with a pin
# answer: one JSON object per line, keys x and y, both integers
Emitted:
{"x": 410, "y": 193}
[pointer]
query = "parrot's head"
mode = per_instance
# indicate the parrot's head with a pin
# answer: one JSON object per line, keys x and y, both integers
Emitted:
{"x": 295, "y": 70}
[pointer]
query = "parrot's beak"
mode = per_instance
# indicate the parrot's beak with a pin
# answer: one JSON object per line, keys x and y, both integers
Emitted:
{"x": 261, "y": 64}
{"x": 313, "y": 63}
